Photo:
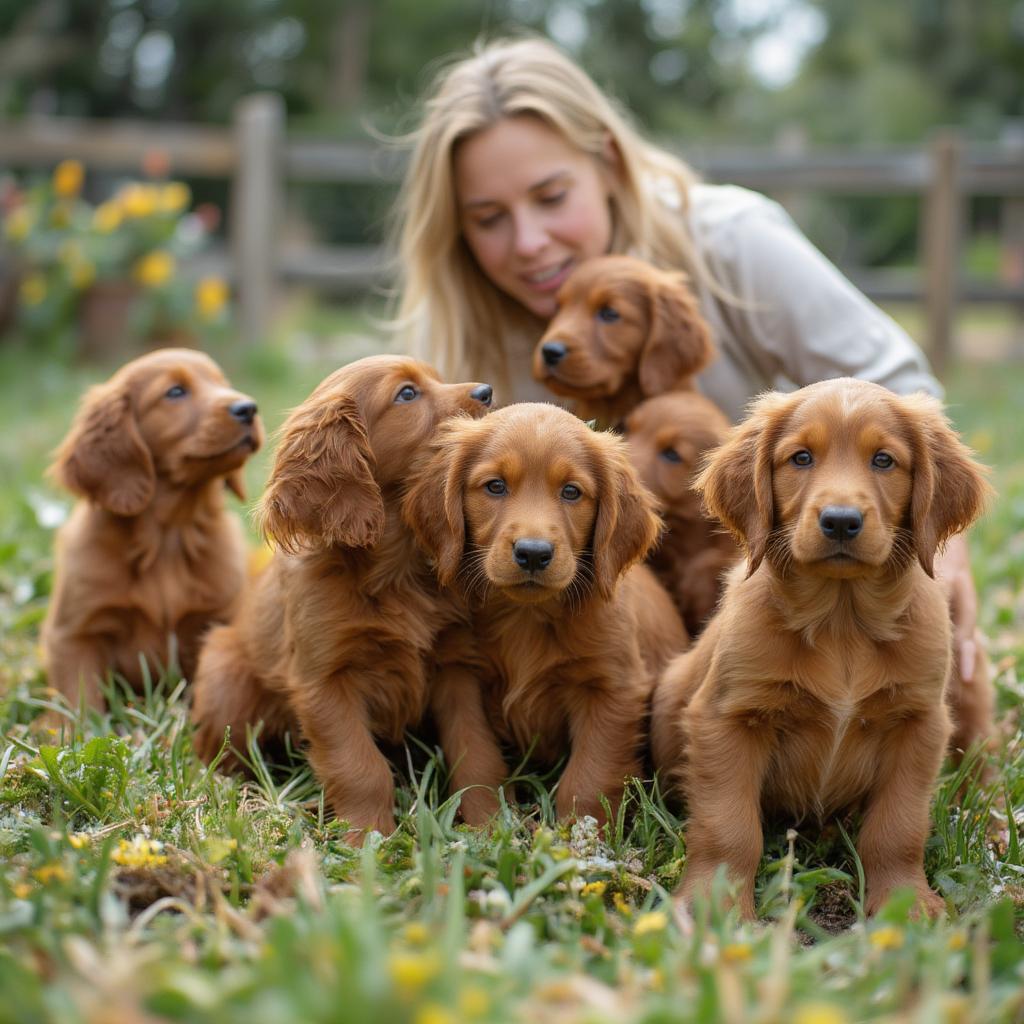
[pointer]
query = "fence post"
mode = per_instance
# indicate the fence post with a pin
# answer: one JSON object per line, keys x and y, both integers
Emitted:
{"x": 256, "y": 205}
{"x": 941, "y": 245}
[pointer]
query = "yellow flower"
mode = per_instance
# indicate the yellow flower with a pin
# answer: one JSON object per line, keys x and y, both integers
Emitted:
{"x": 433, "y": 1014}
{"x": 107, "y": 217}
{"x": 33, "y": 289}
{"x": 67, "y": 178}
{"x": 621, "y": 905}
{"x": 137, "y": 200}
{"x": 139, "y": 852}
{"x": 887, "y": 937}
{"x": 474, "y": 1002}
{"x": 736, "y": 952}
{"x": 655, "y": 921}
{"x": 956, "y": 941}
{"x": 21, "y": 890}
{"x": 211, "y": 297}
{"x": 594, "y": 889}
{"x": 173, "y": 197}
{"x": 79, "y": 840}
{"x": 18, "y": 224}
{"x": 155, "y": 268}
{"x": 411, "y": 971}
{"x": 819, "y": 1013}
{"x": 50, "y": 873}
{"x": 416, "y": 933}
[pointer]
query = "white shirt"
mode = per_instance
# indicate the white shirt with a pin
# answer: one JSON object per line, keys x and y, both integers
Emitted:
{"x": 798, "y": 319}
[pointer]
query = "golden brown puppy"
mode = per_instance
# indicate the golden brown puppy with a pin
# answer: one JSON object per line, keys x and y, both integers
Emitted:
{"x": 150, "y": 558}
{"x": 540, "y": 520}
{"x": 624, "y": 331}
{"x": 334, "y": 636}
{"x": 819, "y": 684}
{"x": 668, "y": 436}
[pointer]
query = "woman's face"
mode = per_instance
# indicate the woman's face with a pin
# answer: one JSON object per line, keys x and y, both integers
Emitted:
{"x": 531, "y": 207}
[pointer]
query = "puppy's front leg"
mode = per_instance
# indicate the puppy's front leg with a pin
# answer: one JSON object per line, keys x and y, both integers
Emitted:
{"x": 606, "y": 730}
{"x": 76, "y": 668}
{"x": 354, "y": 773}
{"x": 726, "y": 763}
{"x": 896, "y": 819}
{"x": 470, "y": 747}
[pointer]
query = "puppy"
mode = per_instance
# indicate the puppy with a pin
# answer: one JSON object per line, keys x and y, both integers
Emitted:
{"x": 668, "y": 436}
{"x": 540, "y": 522}
{"x": 149, "y": 558}
{"x": 819, "y": 684}
{"x": 333, "y": 638}
{"x": 625, "y": 331}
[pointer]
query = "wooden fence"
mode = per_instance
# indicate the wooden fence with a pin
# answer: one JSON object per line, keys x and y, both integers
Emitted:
{"x": 259, "y": 158}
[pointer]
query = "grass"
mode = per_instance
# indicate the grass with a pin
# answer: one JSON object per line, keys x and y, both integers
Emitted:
{"x": 138, "y": 885}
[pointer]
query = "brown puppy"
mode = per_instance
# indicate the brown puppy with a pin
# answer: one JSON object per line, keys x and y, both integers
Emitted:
{"x": 625, "y": 331}
{"x": 540, "y": 521}
{"x": 150, "y": 557}
{"x": 334, "y": 636}
{"x": 819, "y": 684}
{"x": 668, "y": 437}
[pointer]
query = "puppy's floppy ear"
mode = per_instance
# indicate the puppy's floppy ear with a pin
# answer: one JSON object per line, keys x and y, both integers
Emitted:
{"x": 949, "y": 489}
{"x": 736, "y": 478}
{"x": 678, "y": 341}
{"x": 432, "y": 507}
{"x": 322, "y": 488}
{"x": 627, "y": 523}
{"x": 103, "y": 458}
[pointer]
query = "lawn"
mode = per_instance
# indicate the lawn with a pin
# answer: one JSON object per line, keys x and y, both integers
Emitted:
{"x": 136, "y": 885}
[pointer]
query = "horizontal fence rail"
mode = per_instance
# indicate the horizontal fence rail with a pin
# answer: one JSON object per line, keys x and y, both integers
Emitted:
{"x": 260, "y": 159}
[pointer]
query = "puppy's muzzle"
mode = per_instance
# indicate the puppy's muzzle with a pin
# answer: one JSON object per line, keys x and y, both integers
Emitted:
{"x": 483, "y": 394}
{"x": 553, "y": 352}
{"x": 243, "y": 410}
{"x": 533, "y": 555}
{"x": 840, "y": 522}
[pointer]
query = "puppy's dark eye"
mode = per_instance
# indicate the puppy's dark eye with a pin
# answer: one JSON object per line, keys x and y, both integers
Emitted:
{"x": 802, "y": 458}
{"x": 570, "y": 492}
{"x": 407, "y": 393}
{"x": 883, "y": 460}
{"x": 496, "y": 487}
{"x": 607, "y": 315}
{"x": 178, "y": 391}
{"x": 670, "y": 455}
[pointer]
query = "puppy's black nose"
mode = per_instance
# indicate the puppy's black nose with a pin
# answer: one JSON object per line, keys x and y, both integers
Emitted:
{"x": 533, "y": 555}
{"x": 483, "y": 394}
{"x": 243, "y": 410}
{"x": 838, "y": 522}
{"x": 553, "y": 352}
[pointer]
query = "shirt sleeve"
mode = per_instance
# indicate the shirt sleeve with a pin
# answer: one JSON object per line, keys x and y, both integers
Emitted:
{"x": 799, "y": 318}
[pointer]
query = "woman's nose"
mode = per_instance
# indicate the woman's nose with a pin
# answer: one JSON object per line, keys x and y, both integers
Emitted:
{"x": 530, "y": 235}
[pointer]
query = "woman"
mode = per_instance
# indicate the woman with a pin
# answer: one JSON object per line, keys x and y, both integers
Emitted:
{"x": 522, "y": 168}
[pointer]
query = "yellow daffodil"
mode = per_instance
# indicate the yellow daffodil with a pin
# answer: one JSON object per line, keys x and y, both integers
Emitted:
{"x": 655, "y": 921}
{"x": 211, "y": 297}
{"x": 819, "y": 1013}
{"x": 137, "y": 200}
{"x": 887, "y": 937}
{"x": 139, "y": 852}
{"x": 33, "y": 289}
{"x": 107, "y": 217}
{"x": 155, "y": 268}
{"x": 173, "y": 197}
{"x": 68, "y": 178}
{"x": 594, "y": 889}
{"x": 18, "y": 224}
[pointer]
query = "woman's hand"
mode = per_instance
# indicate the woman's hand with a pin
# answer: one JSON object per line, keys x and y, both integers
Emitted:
{"x": 953, "y": 570}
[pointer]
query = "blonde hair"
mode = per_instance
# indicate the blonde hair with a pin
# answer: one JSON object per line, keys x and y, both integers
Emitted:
{"x": 448, "y": 312}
